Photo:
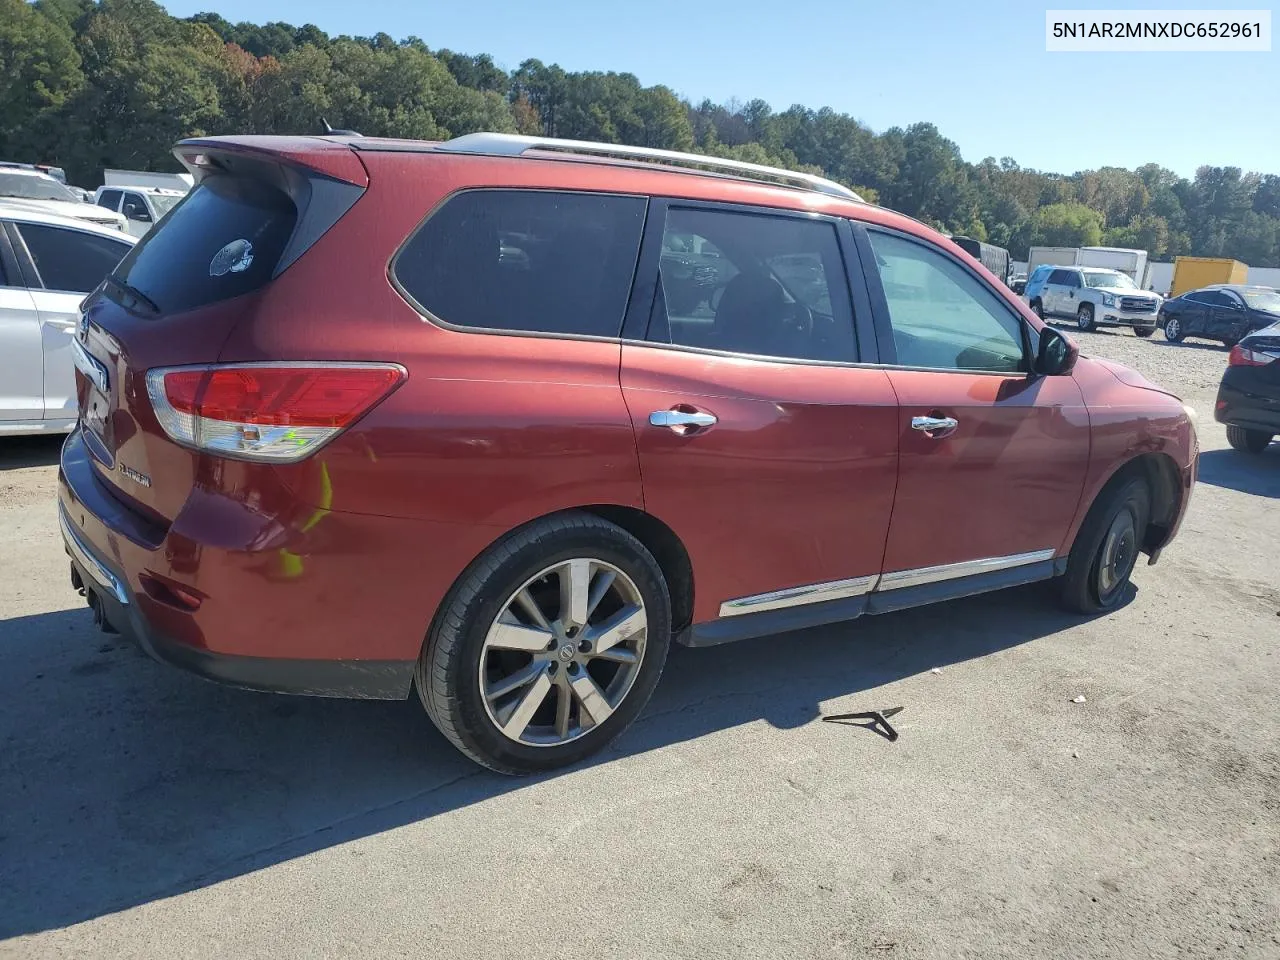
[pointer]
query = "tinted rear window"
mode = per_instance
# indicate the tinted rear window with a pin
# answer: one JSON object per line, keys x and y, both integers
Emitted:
{"x": 223, "y": 240}
{"x": 526, "y": 260}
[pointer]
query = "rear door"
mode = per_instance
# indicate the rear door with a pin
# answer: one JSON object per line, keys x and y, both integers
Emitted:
{"x": 21, "y": 361}
{"x": 67, "y": 264}
{"x": 992, "y": 461}
{"x": 763, "y": 444}
{"x": 110, "y": 199}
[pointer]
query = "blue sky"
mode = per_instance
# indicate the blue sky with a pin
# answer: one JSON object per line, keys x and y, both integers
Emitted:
{"x": 978, "y": 71}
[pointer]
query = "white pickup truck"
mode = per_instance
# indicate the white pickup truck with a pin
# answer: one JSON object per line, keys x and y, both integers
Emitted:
{"x": 142, "y": 207}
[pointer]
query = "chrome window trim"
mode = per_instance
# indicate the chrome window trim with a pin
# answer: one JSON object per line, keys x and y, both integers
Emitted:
{"x": 92, "y": 566}
{"x": 896, "y": 580}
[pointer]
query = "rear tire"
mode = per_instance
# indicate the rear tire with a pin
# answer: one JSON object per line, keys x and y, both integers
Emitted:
{"x": 1247, "y": 441}
{"x": 1038, "y": 307}
{"x": 1173, "y": 331}
{"x": 1084, "y": 317}
{"x": 1144, "y": 332}
{"x": 463, "y": 666}
{"x": 1106, "y": 548}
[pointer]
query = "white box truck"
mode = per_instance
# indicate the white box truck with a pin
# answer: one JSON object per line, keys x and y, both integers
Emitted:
{"x": 1131, "y": 262}
{"x": 1052, "y": 256}
{"x": 147, "y": 178}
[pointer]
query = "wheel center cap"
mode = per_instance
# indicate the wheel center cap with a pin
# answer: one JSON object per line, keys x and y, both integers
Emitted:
{"x": 566, "y": 652}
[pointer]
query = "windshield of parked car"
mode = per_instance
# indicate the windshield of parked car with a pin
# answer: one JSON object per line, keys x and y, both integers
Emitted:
{"x": 34, "y": 188}
{"x": 1267, "y": 300}
{"x": 1109, "y": 279}
{"x": 163, "y": 203}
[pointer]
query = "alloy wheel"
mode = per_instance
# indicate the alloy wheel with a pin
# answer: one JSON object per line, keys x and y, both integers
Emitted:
{"x": 563, "y": 653}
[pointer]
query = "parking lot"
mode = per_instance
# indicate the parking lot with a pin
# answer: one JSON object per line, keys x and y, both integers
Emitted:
{"x": 144, "y": 812}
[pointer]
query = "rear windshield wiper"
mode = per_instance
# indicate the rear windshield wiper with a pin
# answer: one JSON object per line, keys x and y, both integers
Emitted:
{"x": 138, "y": 296}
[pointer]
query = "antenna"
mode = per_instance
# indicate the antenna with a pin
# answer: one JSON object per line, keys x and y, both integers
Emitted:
{"x": 331, "y": 132}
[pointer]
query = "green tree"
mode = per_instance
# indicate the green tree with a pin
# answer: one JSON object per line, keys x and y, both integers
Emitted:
{"x": 39, "y": 71}
{"x": 1066, "y": 225}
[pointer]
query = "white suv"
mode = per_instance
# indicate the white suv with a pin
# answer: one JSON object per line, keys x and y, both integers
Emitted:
{"x": 1094, "y": 296}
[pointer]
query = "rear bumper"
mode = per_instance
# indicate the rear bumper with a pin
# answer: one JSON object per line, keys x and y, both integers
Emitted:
{"x": 1250, "y": 409}
{"x": 359, "y": 679}
{"x": 112, "y": 560}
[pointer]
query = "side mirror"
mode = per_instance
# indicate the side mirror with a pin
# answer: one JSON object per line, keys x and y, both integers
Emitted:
{"x": 141, "y": 216}
{"x": 1057, "y": 355}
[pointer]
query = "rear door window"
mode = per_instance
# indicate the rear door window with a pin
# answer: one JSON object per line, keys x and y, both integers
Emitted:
{"x": 222, "y": 241}
{"x": 525, "y": 260}
{"x": 71, "y": 261}
{"x": 749, "y": 283}
{"x": 109, "y": 199}
{"x": 1060, "y": 277}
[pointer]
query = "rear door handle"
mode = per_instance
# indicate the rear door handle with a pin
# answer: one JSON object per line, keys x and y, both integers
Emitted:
{"x": 680, "y": 420}
{"x": 935, "y": 427}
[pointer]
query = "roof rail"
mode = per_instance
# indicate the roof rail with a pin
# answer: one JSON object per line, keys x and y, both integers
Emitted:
{"x": 512, "y": 145}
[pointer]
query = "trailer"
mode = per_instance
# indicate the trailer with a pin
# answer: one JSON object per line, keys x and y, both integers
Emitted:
{"x": 1192, "y": 273}
{"x": 148, "y": 178}
{"x": 1133, "y": 263}
{"x": 996, "y": 259}
{"x": 1051, "y": 256}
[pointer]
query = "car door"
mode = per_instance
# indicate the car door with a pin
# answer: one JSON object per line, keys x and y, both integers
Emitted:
{"x": 1069, "y": 293}
{"x": 109, "y": 199}
{"x": 65, "y": 264}
{"x": 992, "y": 459}
{"x": 763, "y": 444}
{"x": 1227, "y": 318}
{"x": 21, "y": 359}
{"x": 1194, "y": 313}
{"x": 136, "y": 213}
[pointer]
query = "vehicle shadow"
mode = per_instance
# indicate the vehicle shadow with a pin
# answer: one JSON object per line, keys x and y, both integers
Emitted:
{"x": 19, "y": 452}
{"x": 123, "y": 781}
{"x": 1254, "y": 473}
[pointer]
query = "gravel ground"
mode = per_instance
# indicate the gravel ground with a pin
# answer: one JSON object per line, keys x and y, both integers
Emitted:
{"x": 145, "y": 813}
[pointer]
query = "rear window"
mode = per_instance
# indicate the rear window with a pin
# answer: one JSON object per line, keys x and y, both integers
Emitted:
{"x": 222, "y": 241}
{"x": 525, "y": 260}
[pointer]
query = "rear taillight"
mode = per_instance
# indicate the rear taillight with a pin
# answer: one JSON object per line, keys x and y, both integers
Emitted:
{"x": 280, "y": 412}
{"x": 1242, "y": 356}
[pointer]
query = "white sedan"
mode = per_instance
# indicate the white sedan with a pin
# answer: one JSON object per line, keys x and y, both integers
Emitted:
{"x": 48, "y": 264}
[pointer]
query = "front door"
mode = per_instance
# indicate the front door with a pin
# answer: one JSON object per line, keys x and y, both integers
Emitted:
{"x": 992, "y": 461}
{"x": 761, "y": 445}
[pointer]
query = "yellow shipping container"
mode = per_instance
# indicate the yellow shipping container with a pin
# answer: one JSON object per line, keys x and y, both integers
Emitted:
{"x": 1191, "y": 273}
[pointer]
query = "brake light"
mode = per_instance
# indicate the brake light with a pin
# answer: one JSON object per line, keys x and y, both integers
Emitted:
{"x": 1241, "y": 356}
{"x": 280, "y": 412}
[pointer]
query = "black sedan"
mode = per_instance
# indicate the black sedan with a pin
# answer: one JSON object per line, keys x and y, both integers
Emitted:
{"x": 1249, "y": 396}
{"x": 1223, "y": 312}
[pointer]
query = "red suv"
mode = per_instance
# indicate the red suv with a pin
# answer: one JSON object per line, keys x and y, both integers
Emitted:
{"x": 502, "y": 418}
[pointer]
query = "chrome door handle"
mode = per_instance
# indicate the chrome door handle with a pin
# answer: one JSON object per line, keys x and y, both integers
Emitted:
{"x": 676, "y": 419}
{"x": 934, "y": 425}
